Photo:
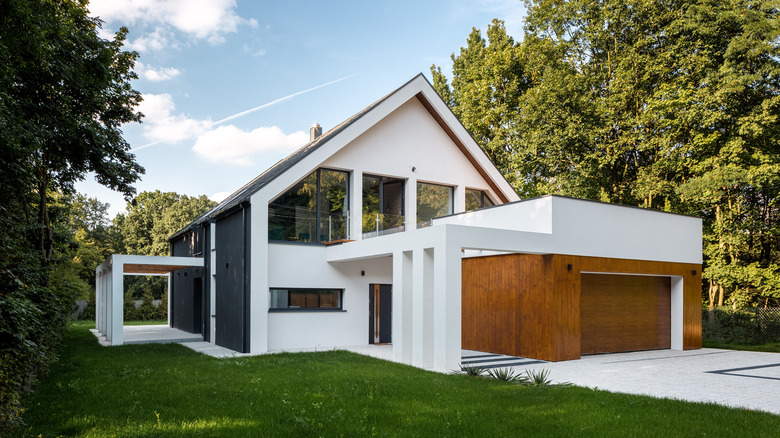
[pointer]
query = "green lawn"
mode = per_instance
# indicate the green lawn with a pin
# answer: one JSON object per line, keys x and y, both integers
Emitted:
{"x": 150, "y": 322}
{"x": 772, "y": 347}
{"x": 169, "y": 390}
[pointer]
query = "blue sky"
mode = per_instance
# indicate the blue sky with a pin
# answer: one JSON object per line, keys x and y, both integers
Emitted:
{"x": 231, "y": 87}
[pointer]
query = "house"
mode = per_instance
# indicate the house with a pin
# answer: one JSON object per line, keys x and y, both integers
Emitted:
{"x": 395, "y": 227}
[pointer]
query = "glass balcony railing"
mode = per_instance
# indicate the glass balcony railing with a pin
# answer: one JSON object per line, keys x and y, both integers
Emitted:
{"x": 303, "y": 226}
{"x": 376, "y": 224}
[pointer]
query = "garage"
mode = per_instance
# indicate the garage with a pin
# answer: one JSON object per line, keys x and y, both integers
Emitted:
{"x": 625, "y": 313}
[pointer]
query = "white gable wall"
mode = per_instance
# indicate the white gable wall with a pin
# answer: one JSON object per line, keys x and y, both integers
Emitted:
{"x": 410, "y": 138}
{"x": 390, "y": 145}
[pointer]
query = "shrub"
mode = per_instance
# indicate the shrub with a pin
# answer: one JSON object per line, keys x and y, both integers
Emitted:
{"x": 741, "y": 326}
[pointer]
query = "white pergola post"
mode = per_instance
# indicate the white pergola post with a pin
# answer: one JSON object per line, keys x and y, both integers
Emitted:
{"x": 109, "y": 287}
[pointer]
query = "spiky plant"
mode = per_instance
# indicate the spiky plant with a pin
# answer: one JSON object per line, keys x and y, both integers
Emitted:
{"x": 505, "y": 374}
{"x": 476, "y": 371}
{"x": 538, "y": 377}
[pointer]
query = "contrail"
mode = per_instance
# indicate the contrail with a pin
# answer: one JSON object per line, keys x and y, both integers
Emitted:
{"x": 282, "y": 99}
{"x": 258, "y": 108}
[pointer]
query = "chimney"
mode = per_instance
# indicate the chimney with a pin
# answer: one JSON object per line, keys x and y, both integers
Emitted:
{"x": 315, "y": 132}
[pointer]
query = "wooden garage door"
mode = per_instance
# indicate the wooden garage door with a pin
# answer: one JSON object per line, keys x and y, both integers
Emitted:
{"x": 625, "y": 313}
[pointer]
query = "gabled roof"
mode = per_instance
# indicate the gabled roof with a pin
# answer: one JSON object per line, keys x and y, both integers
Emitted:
{"x": 242, "y": 195}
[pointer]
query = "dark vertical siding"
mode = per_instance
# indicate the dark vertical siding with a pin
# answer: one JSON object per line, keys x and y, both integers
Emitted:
{"x": 187, "y": 294}
{"x": 232, "y": 297}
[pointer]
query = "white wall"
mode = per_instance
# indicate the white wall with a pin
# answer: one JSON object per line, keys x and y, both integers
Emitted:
{"x": 410, "y": 138}
{"x": 559, "y": 225}
{"x": 304, "y": 266}
{"x": 532, "y": 215}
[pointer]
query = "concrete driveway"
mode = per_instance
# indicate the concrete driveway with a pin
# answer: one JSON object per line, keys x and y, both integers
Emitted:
{"x": 733, "y": 378}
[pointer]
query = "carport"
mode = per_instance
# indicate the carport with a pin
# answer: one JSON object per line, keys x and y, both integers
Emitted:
{"x": 109, "y": 287}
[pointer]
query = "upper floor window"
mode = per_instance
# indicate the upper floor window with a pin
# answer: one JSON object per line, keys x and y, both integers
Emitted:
{"x": 316, "y": 209}
{"x": 383, "y": 205}
{"x": 433, "y": 200}
{"x": 476, "y": 199}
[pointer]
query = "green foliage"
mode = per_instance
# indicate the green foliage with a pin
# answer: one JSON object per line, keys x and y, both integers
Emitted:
{"x": 749, "y": 326}
{"x": 670, "y": 105}
{"x": 152, "y": 217}
{"x": 64, "y": 94}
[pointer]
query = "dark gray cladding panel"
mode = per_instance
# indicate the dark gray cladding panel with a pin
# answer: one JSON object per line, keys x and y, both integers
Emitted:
{"x": 188, "y": 295}
{"x": 231, "y": 263}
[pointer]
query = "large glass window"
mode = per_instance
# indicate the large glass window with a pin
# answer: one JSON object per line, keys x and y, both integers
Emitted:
{"x": 305, "y": 299}
{"x": 316, "y": 209}
{"x": 383, "y": 205}
{"x": 476, "y": 199}
{"x": 433, "y": 201}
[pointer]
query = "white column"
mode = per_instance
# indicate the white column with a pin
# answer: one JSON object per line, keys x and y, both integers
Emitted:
{"x": 677, "y": 315}
{"x": 411, "y": 204}
{"x": 459, "y": 203}
{"x": 417, "y": 316}
{"x": 117, "y": 302}
{"x": 446, "y": 308}
{"x": 170, "y": 283}
{"x": 258, "y": 324}
{"x": 402, "y": 306}
{"x": 356, "y": 205}
{"x": 212, "y": 274}
{"x": 98, "y": 292}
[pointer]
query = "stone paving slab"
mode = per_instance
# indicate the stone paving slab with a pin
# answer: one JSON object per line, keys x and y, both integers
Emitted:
{"x": 745, "y": 379}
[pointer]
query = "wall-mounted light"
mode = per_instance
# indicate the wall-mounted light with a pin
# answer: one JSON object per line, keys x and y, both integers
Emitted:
{"x": 569, "y": 267}
{"x": 362, "y": 273}
{"x": 413, "y": 168}
{"x": 693, "y": 272}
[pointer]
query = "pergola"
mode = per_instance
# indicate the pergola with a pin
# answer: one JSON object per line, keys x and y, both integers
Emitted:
{"x": 109, "y": 287}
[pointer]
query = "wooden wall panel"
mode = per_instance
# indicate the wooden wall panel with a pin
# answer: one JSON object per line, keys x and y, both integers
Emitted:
{"x": 624, "y": 313}
{"x": 489, "y": 304}
{"x": 529, "y": 305}
{"x": 566, "y": 289}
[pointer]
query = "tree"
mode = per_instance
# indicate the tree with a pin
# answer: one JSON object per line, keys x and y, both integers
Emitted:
{"x": 488, "y": 80}
{"x": 671, "y": 105}
{"x": 152, "y": 217}
{"x": 65, "y": 94}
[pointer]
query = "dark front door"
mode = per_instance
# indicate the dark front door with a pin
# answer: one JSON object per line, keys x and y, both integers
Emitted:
{"x": 380, "y": 310}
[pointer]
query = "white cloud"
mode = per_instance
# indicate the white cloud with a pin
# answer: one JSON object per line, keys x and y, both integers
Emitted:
{"x": 219, "y": 196}
{"x": 152, "y": 41}
{"x": 162, "y": 126}
{"x": 199, "y": 19}
{"x": 229, "y": 144}
{"x": 219, "y": 144}
{"x": 155, "y": 75}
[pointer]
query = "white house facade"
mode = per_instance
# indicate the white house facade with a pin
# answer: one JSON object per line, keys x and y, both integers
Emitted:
{"x": 394, "y": 227}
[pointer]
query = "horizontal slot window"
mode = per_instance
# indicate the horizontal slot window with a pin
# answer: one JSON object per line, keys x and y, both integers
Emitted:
{"x": 305, "y": 299}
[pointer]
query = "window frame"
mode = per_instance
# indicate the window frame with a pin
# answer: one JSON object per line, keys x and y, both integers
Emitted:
{"x": 483, "y": 196}
{"x": 417, "y": 203}
{"x": 318, "y": 206}
{"x": 340, "y": 292}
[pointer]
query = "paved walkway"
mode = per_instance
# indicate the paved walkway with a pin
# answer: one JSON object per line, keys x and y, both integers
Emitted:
{"x": 733, "y": 378}
{"x": 745, "y": 379}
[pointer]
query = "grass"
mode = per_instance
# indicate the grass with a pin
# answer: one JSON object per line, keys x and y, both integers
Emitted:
{"x": 772, "y": 347}
{"x": 168, "y": 390}
{"x": 150, "y": 322}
